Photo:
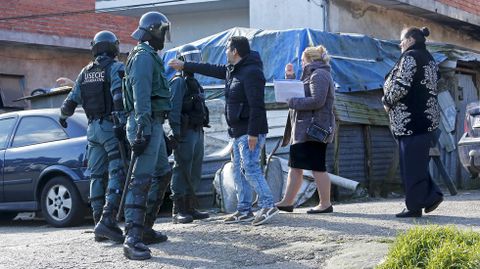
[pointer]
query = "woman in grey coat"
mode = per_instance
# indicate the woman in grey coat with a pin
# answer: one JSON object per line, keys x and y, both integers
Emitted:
{"x": 305, "y": 152}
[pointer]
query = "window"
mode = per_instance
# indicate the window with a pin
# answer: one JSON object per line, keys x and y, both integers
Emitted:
{"x": 6, "y": 126}
{"x": 11, "y": 89}
{"x": 35, "y": 130}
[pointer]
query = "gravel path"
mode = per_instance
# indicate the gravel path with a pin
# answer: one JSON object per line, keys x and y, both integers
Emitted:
{"x": 357, "y": 235}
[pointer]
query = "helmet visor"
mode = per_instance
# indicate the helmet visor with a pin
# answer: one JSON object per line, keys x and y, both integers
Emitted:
{"x": 161, "y": 32}
{"x": 192, "y": 56}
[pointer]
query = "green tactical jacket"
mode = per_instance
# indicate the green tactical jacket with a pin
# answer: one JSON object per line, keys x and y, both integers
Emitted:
{"x": 145, "y": 88}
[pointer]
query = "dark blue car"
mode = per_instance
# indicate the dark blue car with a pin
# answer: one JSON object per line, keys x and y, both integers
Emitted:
{"x": 43, "y": 166}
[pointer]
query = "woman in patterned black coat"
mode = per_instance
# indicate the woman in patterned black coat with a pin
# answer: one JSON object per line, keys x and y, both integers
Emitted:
{"x": 410, "y": 98}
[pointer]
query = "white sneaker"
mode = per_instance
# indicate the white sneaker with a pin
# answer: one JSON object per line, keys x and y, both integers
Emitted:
{"x": 265, "y": 214}
{"x": 239, "y": 217}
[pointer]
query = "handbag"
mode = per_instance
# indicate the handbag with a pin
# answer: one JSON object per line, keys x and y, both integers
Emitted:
{"x": 318, "y": 133}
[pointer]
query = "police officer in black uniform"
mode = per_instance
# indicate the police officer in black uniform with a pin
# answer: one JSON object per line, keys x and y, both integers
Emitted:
{"x": 187, "y": 118}
{"x": 98, "y": 90}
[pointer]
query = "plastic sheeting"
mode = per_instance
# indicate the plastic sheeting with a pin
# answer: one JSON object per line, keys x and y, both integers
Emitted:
{"x": 358, "y": 62}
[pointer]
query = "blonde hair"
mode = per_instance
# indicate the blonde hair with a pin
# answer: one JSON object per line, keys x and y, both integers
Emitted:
{"x": 318, "y": 53}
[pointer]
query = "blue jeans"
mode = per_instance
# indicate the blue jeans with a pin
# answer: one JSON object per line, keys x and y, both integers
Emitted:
{"x": 248, "y": 174}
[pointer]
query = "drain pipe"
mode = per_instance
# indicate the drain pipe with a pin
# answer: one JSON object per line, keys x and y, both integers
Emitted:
{"x": 325, "y": 7}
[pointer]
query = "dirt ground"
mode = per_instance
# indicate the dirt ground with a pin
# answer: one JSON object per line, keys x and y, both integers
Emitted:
{"x": 356, "y": 235}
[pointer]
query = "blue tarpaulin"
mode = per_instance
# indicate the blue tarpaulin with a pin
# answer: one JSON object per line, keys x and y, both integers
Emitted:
{"x": 359, "y": 62}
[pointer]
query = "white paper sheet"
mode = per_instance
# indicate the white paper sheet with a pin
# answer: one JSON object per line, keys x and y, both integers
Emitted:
{"x": 287, "y": 88}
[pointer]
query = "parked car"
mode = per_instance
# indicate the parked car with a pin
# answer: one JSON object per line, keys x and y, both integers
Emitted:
{"x": 469, "y": 144}
{"x": 43, "y": 166}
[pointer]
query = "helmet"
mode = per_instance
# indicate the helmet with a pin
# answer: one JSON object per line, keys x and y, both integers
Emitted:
{"x": 105, "y": 42}
{"x": 153, "y": 26}
{"x": 189, "y": 53}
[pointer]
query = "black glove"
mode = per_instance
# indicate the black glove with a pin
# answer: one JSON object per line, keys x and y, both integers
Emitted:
{"x": 173, "y": 141}
{"x": 119, "y": 131}
{"x": 63, "y": 122}
{"x": 139, "y": 146}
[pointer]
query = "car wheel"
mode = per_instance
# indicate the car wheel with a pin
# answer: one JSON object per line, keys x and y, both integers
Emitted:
{"x": 61, "y": 203}
{"x": 7, "y": 216}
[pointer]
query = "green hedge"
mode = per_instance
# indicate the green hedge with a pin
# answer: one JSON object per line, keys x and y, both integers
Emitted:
{"x": 434, "y": 247}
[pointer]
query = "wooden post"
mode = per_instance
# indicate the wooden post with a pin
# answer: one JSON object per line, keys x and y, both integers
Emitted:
{"x": 336, "y": 146}
{"x": 368, "y": 161}
{"x": 392, "y": 171}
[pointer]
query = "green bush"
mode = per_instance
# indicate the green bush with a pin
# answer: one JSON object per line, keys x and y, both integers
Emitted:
{"x": 434, "y": 247}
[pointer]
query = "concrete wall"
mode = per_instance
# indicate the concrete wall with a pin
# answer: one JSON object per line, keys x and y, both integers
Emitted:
{"x": 189, "y": 27}
{"x": 284, "y": 14}
{"x": 358, "y": 16}
{"x": 351, "y": 16}
{"x": 40, "y": 66}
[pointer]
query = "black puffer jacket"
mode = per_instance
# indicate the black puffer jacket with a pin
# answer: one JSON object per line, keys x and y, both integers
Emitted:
{"x": 244, "y": 93}
{"x": 410, "y": 93}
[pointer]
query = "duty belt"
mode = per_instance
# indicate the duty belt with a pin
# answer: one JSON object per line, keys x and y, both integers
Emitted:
{"x": 100, "y": 118}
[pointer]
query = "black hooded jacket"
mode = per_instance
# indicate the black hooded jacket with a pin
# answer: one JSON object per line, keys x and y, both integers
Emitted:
{"x": 244, "y": 93}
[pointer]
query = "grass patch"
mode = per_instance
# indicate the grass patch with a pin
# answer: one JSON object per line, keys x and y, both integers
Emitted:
{"x": 434, "y": 247}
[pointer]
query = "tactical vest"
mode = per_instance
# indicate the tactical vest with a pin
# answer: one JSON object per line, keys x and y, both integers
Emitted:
{"x": 193, "y": 104}
{"x": 95, "y": 89}
{"x": 160, "y": 97}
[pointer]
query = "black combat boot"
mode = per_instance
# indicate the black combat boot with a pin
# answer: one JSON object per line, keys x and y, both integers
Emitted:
{"x": 133, "y": 247}
{"x": 150, "y": 236}
{"x": 191, "y": 200}
{"x": 107, "y": 226}
{"x": 135, "y": 206}
{"x": 96, "y": 219}
{"x": 180, "y": 211}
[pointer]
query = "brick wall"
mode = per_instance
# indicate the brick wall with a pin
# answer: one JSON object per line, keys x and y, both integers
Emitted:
{"x": 79, "y": 26}
{"x": 471, "y": 6}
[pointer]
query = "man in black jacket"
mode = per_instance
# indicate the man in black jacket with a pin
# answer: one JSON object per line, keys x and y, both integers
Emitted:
{"x": 247, "y": 124}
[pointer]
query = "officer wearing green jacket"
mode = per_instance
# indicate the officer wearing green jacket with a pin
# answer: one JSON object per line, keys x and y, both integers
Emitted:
{"x": 187, "y": 118}
{"x": 147, "y": 102}
{"x": 98, "y": 90}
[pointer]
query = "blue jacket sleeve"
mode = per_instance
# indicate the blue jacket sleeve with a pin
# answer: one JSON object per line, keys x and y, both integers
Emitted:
{"x": 141, "y": 75}
{"x": 74, "y": 95}
{"x": 178, "y": 88}
{"x": 211, "y": 70}
{"x": 117, "y": 71}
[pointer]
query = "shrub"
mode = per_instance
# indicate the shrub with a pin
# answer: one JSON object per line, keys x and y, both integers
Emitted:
{"x": 434, "y": 247}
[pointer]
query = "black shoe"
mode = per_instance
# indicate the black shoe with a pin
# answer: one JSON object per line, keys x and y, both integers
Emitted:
{"x": 182, "y": 218}
{"x": 434, "y": 206}
{"x": 198, "y": 214}
{"x": 112, "y": 232}
{"x": 150, "y": 236}
{"x": 287, "y": 208}
{"x": 135, "y": 249}
{"x": 315, "y": 211}
{"x": 409, "y": 214}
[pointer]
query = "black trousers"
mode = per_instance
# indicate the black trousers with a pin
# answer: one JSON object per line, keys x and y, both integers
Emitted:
{"x": 420, "y": 190}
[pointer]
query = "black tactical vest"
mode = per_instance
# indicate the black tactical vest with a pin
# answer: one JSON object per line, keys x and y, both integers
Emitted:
{"x": 194, "y": 104}
{"x": 95, "y": 89}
